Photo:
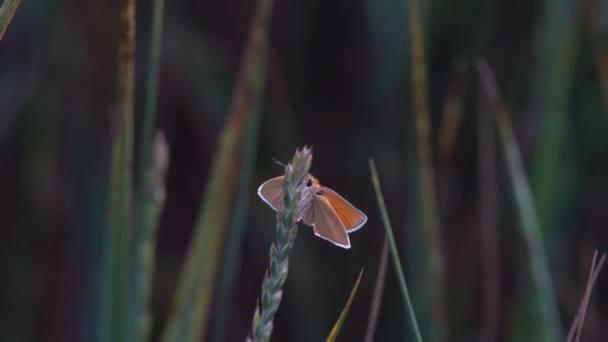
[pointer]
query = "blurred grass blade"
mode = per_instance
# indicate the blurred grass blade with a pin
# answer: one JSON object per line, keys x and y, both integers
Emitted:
{"x": 190, "y": 312}
{"x": 430, "y": 217}
{"x": 554, "y": 70}
{"x": 7, "y": 12}
{"x": 545, "y": 293}
{"x": 452, "y": 112}
{"x": 336, "y": 329}
{"x": 223, "y": 298}
{"x": 372, "y": 320}
{"x": 395, "y": 255}
{"x": 116, "y": 258}
{"x": 235, "y": 232}
{"x": 577, "y": 323}
{"x": 150, "y": 193}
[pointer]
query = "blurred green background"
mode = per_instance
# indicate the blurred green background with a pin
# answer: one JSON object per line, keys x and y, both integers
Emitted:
{"x": 338, "y": 78}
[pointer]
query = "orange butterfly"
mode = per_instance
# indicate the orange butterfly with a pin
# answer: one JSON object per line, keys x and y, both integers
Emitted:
{"x": 330, "y": 215}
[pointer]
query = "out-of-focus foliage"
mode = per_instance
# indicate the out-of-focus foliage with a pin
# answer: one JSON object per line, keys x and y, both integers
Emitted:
{"x": 338, "y": 78}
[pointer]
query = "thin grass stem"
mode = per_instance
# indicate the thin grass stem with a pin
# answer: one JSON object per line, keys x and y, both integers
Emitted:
{"x": 116, "y": 263}
{"x": 409, "y": 310}
{"x": 150, "y": 193}
{"x": 372, "y": 320}
{"x": 430, "y": 217}
{"x": 539, "y": 265}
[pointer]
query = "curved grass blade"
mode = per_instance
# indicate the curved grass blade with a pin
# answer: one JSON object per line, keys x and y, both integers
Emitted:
{"x": 336, "y": 329}
{"x": 190, "y": 312}
{"x": 7, "y": 12}
{"x": 405, "y": 294}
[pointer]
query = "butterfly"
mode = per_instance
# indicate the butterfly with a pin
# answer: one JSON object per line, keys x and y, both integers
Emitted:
{"x": 330, "y": 215}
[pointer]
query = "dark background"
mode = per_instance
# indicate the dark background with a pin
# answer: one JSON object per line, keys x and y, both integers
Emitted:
{"x": 338, "y": 79}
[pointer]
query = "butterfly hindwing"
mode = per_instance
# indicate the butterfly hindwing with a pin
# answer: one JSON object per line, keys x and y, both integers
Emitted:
{"x": 321, "y": 216}
{"x": 351, "y": 217}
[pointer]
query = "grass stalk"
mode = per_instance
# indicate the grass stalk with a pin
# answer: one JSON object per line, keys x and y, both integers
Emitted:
{"x": 574, "y": 333}
{"x": 150, "y": 193}
{"x": 374, "y": 311}
{"x": 338, "y": 326}
{"x": 7, "y": 12}
{"x": 116, "y": 261}
{"x": 190, "y": 312}
{"x": 409, "y": 310}
{"x": 555, "y": 69}
{"x": 430, "y": 217}
{"x": 223, "y": 298}
{"x": 287, "y": 229}
{"x": 547, "y": 300}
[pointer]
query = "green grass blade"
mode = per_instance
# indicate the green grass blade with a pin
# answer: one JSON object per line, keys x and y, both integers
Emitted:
{"x": 547, "y": 300}
{"x": 554, "y": 71}
{"x": 190, "y": 311}
{"x": 195, "y": 285}
{"x": 116, "y": 253}
{"x": 336, "y": 329}
{"x": 150, "y": 194}
{"x": 7, "y": 12}
{"x": 236, "y": 228}
{"x": 395, "y": 255}
{"x": 430, "y": 218}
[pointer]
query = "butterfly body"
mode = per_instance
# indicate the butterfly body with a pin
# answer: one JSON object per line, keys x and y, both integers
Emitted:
{"x": 331, "y": 216}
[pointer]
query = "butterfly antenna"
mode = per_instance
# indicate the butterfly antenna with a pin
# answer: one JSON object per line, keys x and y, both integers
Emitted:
{"x": 278, "y": 162}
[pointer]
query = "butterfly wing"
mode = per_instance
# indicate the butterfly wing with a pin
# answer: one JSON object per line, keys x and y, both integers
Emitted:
{"x": 325, "y": 222}
{"x": 271, "y": 192}
{"x": 351, "y": 217}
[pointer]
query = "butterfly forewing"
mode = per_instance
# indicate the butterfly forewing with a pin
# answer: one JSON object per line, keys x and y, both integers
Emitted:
{"x": 321, "y": 216}
{"x": 272, "y": 192}
{"x": 351, "y": 217}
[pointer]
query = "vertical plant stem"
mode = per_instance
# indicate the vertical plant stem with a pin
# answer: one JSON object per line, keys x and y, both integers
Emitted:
{"x": 577, "y": 323}
{"x": 287, "y": 229}
{"x": 119, "y": 217}
{"x": 547, "y": 301}
{"x": 427, "y": 171}
{"x": 372, "y": 321}
{"x": 150, "y": 193}
{"x": 405, "y": 294}
{"x": 7, "y": 12}
{"x": 140, "y": 318}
